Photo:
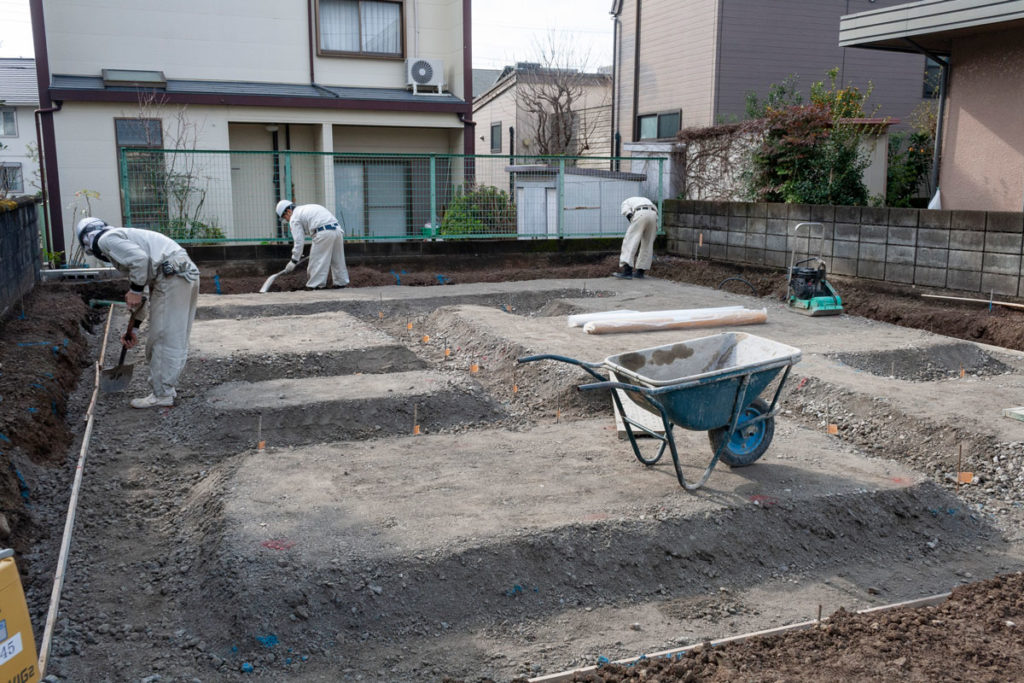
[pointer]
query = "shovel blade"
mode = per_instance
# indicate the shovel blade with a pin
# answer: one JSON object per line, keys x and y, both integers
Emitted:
{"x": 116, "y": 379}
{"x": 270, "y": 281}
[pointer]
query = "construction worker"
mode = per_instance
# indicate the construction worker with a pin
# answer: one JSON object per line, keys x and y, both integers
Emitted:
{"x": 638, "y": 243}
{"x": 328, "y": 250}
{"x": 155, "y": 261}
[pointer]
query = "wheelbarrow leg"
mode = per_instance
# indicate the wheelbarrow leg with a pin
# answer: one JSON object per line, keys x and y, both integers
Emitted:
{"x": 628, "y": 423}
{"x": 736, "y": 411}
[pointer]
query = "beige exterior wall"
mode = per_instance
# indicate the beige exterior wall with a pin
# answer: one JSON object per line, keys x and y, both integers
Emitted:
{"x": 677, "y": 61}
{"x": 983, "y": 151}
{"x": 88, "y": 160}
{"x": 236, "y": 40}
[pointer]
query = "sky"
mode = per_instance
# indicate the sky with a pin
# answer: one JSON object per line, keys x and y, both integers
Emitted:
{"x": 504, "y": 31}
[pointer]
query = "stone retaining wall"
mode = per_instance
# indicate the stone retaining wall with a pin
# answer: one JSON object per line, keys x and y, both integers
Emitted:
{"x": 972, "y": 251}
{"x": 19, "y": 251}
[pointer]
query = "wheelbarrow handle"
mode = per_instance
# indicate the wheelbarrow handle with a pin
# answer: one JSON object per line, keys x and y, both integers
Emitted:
{"x": 614, "y": 385}
{"x": 589, "y": 367}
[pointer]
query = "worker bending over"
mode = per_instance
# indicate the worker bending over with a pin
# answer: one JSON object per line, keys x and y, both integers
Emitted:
{"x": 155, "y": 261}
{"x": 328, "y": 250}
{"x": 638, "y": 244}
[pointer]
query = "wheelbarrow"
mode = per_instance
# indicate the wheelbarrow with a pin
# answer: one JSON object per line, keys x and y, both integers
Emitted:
{"x": 711, "y": 384}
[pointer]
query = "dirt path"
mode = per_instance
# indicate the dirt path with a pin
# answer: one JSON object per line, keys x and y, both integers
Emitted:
{"x": 515, "y": 535}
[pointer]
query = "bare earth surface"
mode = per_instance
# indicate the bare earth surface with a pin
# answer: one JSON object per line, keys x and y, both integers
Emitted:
{"x": 424, "y": 508}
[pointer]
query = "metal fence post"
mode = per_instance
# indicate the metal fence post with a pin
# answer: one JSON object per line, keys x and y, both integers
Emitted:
{"x": 434, "y": 227}
{"x": 661, "y": 194}
{"x": 125, "y": 189}
{"x": 561, "y": 194}
{"x": 288, "y": 177}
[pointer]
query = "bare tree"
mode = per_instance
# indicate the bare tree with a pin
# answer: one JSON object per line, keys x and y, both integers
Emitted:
{"x": 559, "y": 99}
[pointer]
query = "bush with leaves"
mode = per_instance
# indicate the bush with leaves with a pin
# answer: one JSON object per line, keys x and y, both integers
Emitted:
{"x": 910, "y": 158}
{"x": 178, "y": 229}
{"x": 479, "y": 210}
{"x": 807, "y": 154}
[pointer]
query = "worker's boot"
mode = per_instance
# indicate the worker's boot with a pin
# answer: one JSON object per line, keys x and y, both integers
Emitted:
{"x": 638, "y": 274}
{"x": 626, "y": 273}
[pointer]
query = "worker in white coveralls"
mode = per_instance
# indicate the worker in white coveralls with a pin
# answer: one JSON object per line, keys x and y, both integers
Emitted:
{"x": 156, "y": 261}
{"x": 638, "y": 244}
{"x": 328, "y": 250}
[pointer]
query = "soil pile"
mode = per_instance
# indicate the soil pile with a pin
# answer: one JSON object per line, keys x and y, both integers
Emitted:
{"x": 975, "y": 635}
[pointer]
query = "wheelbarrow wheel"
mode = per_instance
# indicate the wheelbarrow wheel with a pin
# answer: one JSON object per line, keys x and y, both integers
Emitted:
{"x": 748, "y": 442}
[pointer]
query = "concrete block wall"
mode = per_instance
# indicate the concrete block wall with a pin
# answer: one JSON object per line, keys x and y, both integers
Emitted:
{"x": 971, "y": 251}
{"x": 19, "y": 251}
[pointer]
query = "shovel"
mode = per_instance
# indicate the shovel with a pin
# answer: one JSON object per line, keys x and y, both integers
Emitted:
{"x": 117, "y": 378}
{"x": 270, "y": 280}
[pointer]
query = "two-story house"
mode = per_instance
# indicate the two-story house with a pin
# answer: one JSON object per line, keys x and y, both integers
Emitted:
{"x": 18, "y": 99}
{"x": 691, "y": 63}
{"x": 288, "y": 87}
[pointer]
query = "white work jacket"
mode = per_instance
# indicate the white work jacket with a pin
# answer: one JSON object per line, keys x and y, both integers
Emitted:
{"x": 140, "y": 253}
{"x": 633, "y": 203}
{"x": 303, "y": 223}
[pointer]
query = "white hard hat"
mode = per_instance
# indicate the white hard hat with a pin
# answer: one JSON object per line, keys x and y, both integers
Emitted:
{"x": 283, "y": 206}
{"x": 87, "y": 225}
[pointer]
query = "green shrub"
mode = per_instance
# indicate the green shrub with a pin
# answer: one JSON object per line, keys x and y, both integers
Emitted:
{"x": 479, "y": 210}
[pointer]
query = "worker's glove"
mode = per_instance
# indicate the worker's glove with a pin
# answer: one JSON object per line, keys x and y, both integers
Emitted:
{"x": 290, "y": 267}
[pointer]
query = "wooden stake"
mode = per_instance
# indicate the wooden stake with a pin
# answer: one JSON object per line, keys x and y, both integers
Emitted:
{"x": 260, "y": 443}
{"x": 959, "y": 462}
{"x": 415, "y": 418}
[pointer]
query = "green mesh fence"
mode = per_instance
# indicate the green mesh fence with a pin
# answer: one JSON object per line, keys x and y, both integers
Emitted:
{"x": 224, "y": 196}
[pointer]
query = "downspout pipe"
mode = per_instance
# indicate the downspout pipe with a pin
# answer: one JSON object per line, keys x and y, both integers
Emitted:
{"x": 636, "y": 74}
{"x": 48, "y": 230}
{"x": 616, "y": 38}
{"x": 45, "y": 136}
{"x": 944, "y": 65}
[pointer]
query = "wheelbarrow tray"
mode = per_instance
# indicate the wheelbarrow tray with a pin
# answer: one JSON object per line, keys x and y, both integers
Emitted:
{"x": 697, "y": 381}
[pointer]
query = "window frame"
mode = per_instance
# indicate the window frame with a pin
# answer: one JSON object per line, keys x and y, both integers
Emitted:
{"x": 18, "y": 166}
{"x": 658, "y": 116}
{"x": 496, "y": 125}
{"x": 402, "y": 51}
{"x": 932, "y": 77}
{"x": 14, "y": 118}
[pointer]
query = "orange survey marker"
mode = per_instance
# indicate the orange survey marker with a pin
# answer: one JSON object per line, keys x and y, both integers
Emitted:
{"x": 964, "y": 477}
{"x": 833, "y": 429}
{"x": 17, "y": 646}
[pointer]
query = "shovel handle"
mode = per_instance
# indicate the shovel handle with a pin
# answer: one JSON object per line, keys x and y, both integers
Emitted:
{"x": 131, "y": 326}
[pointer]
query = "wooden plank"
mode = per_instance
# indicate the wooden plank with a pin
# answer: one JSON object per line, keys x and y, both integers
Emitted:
{"x": 978, "y": 301}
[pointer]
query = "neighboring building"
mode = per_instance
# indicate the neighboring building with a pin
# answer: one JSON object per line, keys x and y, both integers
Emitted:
{"x": 504, "y": 125}
{"x": 483, "y": 79}
{"x": 691, "y": 63}
{"x": 329, "y": 76}
{"x": 981, "y": 46}
{"x": 18, "y": 99}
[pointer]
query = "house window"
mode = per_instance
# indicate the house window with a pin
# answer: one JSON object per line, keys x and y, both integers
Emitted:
{"x": 932, "y": 78}
{"x": 370, "y": 27}
{"x": 145, "y": 197}
{"x": 8, "y": 123}
{"x": 496, "y": 137}
{"x": 658, "y": 126}
{"x": 10, "y": 177}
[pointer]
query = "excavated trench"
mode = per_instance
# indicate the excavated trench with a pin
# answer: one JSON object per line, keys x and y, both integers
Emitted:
{"x": 349, "y": 584}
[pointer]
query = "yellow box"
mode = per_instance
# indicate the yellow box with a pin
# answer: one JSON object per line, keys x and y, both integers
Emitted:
{"x": 18, "y": 662}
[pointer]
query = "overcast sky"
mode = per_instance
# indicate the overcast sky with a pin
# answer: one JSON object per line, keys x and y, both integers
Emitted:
{"x": 504, "y": 31}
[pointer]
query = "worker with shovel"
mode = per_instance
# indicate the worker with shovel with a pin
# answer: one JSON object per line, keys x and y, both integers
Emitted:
{"x": 328, "y": 250}
{"x": 638, "y": 243}
{"x": 156, "y": 261}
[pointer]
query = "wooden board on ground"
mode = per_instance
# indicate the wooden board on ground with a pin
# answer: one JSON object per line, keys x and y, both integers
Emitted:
{"x": 637, "y": 414}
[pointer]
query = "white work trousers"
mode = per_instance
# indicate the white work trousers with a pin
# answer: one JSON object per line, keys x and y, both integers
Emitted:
{"x": 172, "y": 307}
{"x": 638, "y": 244}
{"x": 327, "y": 253}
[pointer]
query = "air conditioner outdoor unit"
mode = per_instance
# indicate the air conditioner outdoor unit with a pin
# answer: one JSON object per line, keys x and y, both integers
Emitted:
{"x": 427, "y": 73}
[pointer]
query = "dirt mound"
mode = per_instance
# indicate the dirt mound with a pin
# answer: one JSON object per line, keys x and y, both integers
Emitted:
{"x": 972, "y": 636}
{"x": 943, "y": 361}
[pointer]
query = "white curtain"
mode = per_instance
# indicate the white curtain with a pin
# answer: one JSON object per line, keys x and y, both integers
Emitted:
{"x": 339, "y": 25}
{"x": 382, "y": 27}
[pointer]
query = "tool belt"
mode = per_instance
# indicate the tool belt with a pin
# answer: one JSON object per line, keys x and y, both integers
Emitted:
{"x": 180, "y": 264}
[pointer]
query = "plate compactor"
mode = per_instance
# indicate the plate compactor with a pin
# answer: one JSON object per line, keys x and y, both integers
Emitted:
{"x": 809, "y": 291}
